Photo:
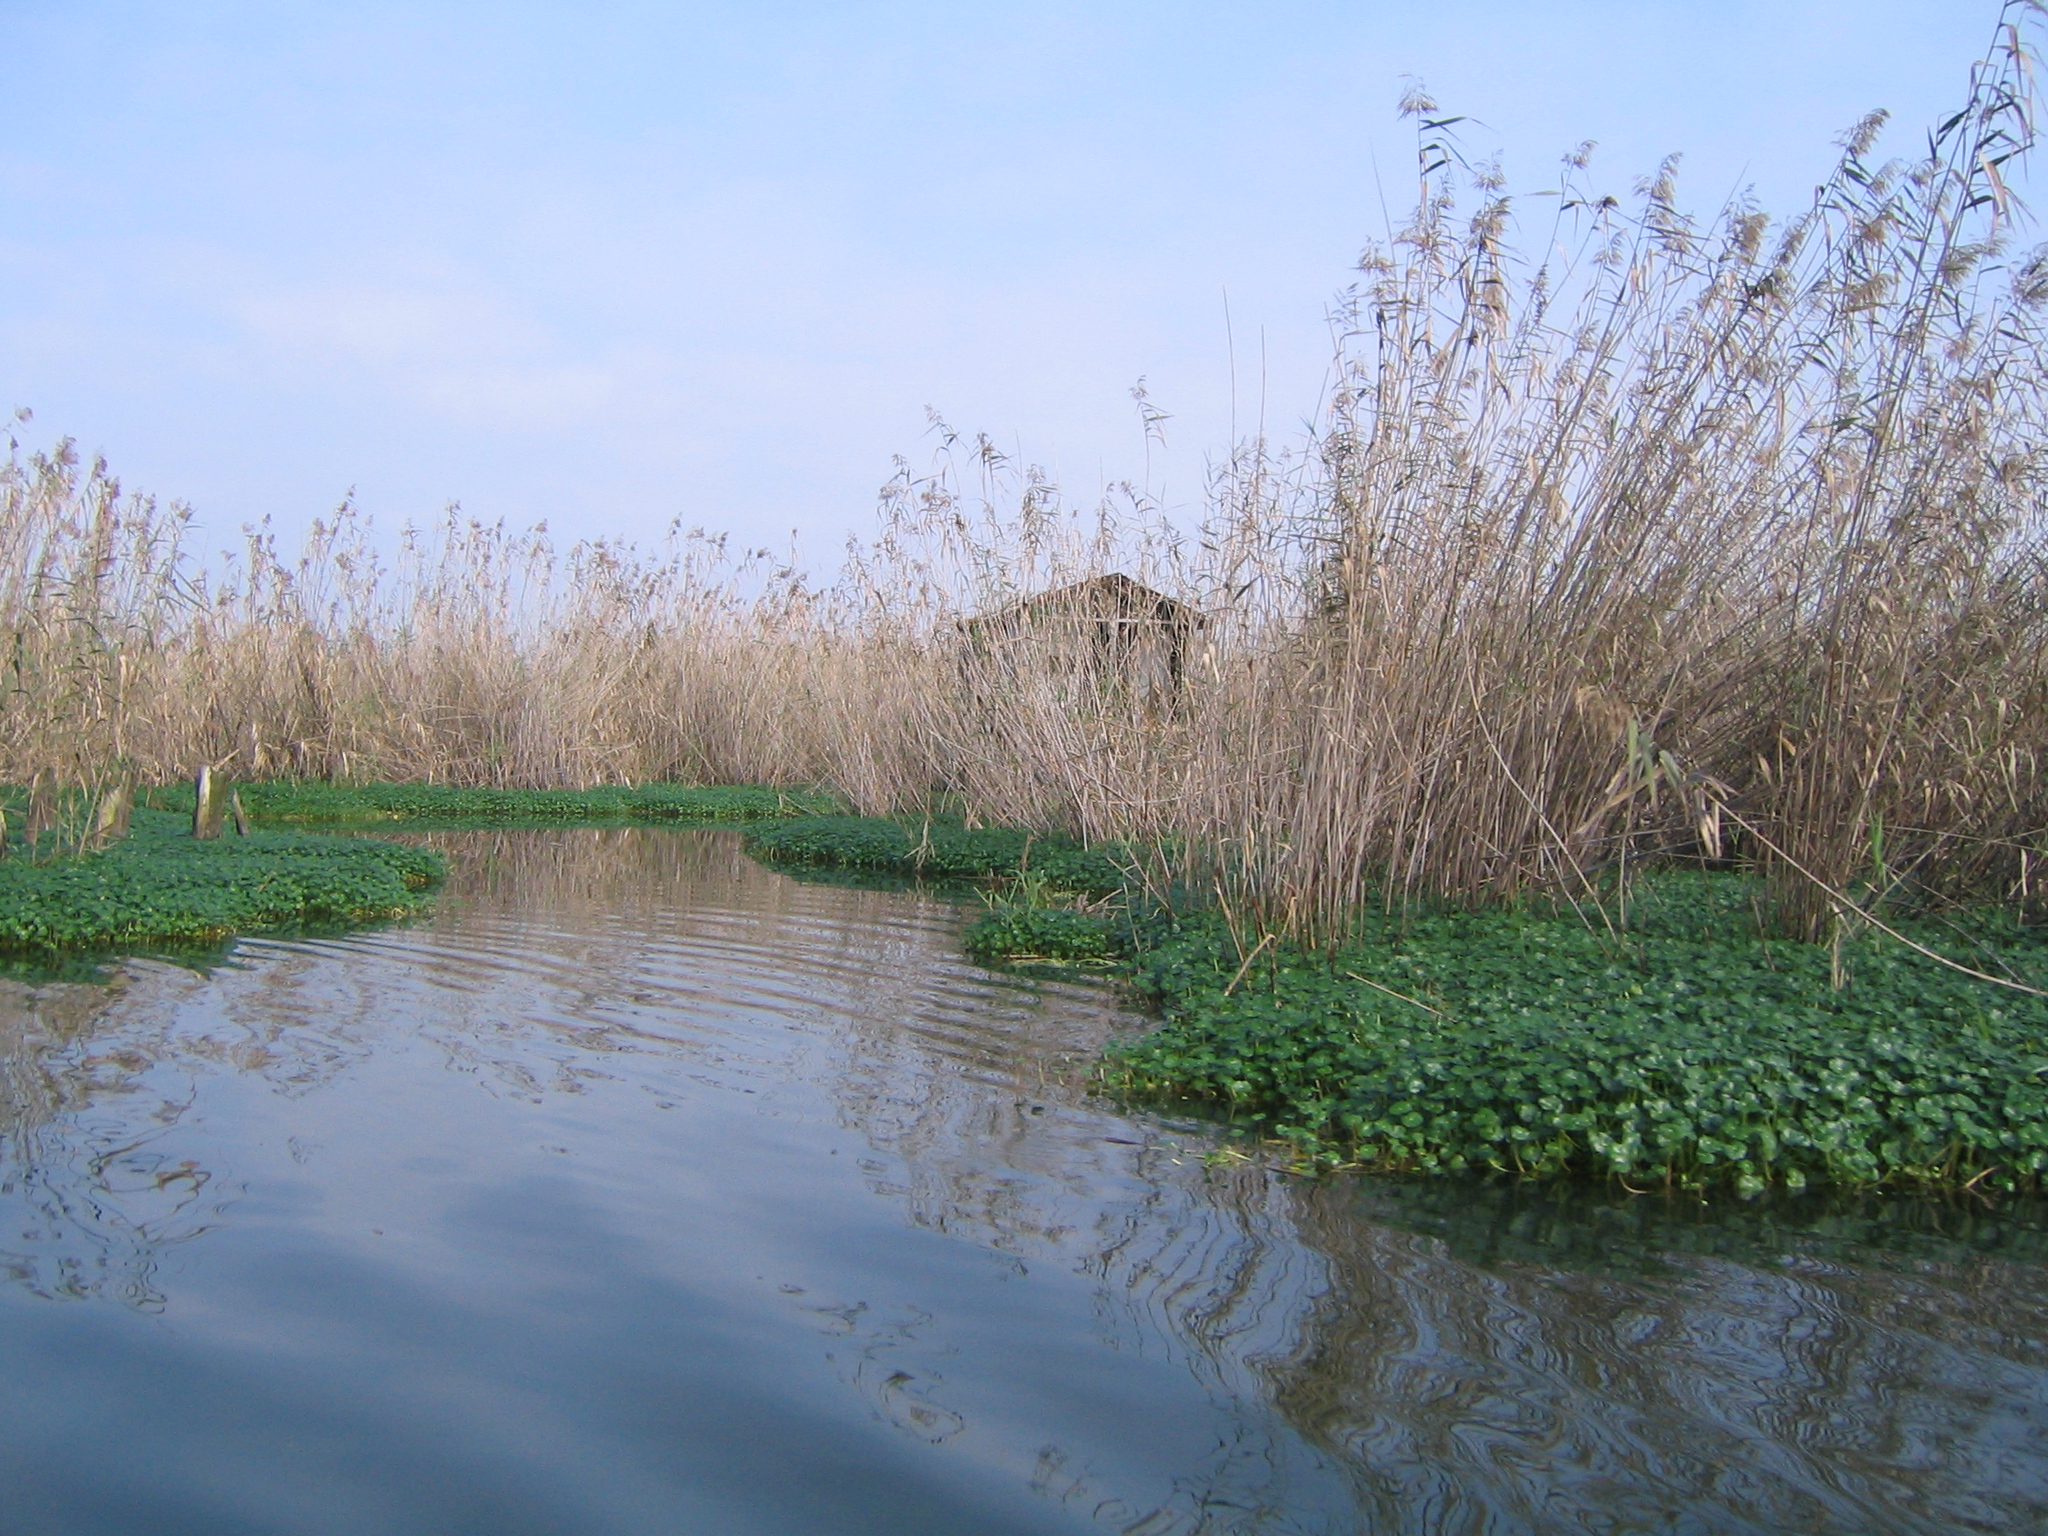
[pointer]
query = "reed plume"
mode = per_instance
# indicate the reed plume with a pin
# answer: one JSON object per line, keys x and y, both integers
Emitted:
{"x": 1711, "y": 540}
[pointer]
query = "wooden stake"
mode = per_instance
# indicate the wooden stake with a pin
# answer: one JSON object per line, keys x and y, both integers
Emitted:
{"x": 241, "y": 816}
{"x": 204, "y": 823}
{"x": 42, "y": 812}
{"x": 110, "y": 818}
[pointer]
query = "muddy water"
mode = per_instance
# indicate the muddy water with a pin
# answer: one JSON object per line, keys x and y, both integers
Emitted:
{"x": 642, "y": 1189}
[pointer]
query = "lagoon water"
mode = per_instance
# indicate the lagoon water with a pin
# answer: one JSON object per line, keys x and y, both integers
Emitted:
{"x": 642, "y": 1189}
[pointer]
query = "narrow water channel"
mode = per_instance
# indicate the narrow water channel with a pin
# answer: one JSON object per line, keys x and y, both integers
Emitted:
{"x": 642, "y": 1189}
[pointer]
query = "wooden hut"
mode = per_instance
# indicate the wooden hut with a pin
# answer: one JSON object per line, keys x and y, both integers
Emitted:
{"x": 1108, "y": 637}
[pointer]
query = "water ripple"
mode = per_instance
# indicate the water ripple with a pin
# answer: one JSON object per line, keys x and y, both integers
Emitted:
{"x": 639, "y": 1176}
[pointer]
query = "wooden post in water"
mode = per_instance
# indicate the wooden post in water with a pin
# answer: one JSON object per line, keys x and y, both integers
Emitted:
{"x": 110, "y": 818}
{"x": 205, "y": 804}
{"x": 42, "y": 812}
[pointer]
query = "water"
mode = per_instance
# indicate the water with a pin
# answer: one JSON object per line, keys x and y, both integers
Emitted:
{"x": 643, "y": 1189}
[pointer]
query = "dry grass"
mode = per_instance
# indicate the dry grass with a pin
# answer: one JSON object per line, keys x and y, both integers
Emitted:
{"x": 1714, "y": 541}
{"x": 1723, "y": 538}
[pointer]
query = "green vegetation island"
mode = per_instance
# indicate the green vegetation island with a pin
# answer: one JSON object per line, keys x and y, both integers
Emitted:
{"x": 159, "y": 886}
{"x": 1682, "y": 1048}
{"x": 1686, "y": 1049}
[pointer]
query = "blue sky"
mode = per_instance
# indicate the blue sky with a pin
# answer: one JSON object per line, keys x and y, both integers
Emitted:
{"x": 610, "y": 264}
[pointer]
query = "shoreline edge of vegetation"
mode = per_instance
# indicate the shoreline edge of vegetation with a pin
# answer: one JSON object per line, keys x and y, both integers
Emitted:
{"x": 1685, "y": 1050}
{"x": 159, "y": 886}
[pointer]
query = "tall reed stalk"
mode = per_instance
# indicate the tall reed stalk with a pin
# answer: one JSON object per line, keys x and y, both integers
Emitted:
{"x": 1716, "y": 540}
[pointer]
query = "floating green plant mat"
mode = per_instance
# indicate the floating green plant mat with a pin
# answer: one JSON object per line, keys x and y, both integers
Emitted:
{"x": 321, "y": 804}
{"x": 942, "y": 851}
{"x": 161, "y": 886}
{"x": 1686, "y": 1051}
{"x": 1016, "y": 934}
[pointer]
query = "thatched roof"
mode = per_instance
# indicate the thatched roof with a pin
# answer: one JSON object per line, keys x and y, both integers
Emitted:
{"x": 1103, "y": 599}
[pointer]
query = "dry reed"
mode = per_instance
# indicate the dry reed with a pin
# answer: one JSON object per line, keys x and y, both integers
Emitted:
{"x": 1718, "y": 541}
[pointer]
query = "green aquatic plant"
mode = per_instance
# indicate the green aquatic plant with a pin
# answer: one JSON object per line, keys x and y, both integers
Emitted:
{"x": 317, "y": 803}
{"x": 159, "y": 885}
{"x": 1015, "y": 934}
{"x": 1687, "y": 1052}
{"x": 944, "y": 851}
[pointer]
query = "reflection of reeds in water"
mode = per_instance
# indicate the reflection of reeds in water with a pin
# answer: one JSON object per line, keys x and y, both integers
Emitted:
{"x": 1000, "y": 1148}
{"x": 1677, "y": 537}
{"x": 91, "y": 1194}
{"x": 1521, "y": 1374}
{"x": 964, "y": 1087}
{"x": 1436, "y": 1361}
{"x": 1794, "y": 1393}
{"x": 561, "y": 958}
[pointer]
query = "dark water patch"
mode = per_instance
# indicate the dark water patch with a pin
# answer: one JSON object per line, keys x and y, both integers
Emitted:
{"x": 1568, "y": 1224}
{"x": 640, "y": 1188}
{"x": 1527, "y": 1362}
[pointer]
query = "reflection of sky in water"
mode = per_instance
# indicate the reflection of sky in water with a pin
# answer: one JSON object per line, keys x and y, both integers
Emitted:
{"x": 643, "y": 1189}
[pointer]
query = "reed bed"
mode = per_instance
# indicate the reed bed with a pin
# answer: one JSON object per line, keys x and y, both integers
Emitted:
{"x": 1678, "y": 539}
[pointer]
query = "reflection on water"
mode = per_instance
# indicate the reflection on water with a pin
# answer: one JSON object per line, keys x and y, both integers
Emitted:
{"x": 644, "y": 1189}
{"x": 1526, "y": 1359}
{"x": 90, "y": 1196}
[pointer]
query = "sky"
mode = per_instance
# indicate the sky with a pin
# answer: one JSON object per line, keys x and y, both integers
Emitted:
{"x": 611, "y": 265}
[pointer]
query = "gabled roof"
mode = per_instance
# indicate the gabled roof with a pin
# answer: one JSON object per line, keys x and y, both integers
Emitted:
{"x": 1115, "y": 597}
